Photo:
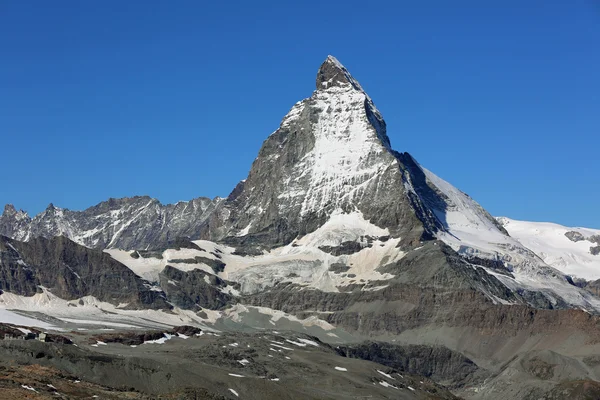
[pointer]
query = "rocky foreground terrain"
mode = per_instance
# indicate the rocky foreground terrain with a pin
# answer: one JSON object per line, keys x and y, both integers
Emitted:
{"x": 339, "y": 268}
{"x": 195, "y": 364}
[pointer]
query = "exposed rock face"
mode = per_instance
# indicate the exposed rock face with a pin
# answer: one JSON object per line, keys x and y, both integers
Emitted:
{"x": 195, "y": 289}
{"x": 128, "y": 223}
{"x": 574, "y": 236}
{"x": 435, "y": 362}
{"x": 595, "y": 250}
{"x": 70, "y": 271}
{"x": 13, "y": 222}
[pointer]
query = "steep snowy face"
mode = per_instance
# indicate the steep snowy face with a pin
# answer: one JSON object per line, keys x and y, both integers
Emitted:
{"x": 331, "y": 152}
{"x": 570, "y": 250}
{"x": 474, "y": 234}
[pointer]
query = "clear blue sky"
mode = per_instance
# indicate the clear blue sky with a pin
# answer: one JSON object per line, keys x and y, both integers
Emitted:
{"x": 173, "y": 99}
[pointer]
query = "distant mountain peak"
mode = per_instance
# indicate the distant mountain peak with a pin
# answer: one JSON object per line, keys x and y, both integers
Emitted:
{"x": 9, "y": 209}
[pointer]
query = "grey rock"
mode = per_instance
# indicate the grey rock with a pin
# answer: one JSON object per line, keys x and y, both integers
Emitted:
{"x": 195, "y": 289}
{"x": 129, "y": 223}
{"x": 438, "y": 363}
{"x": 71, "y": 271}
{"x": 338, "y": 267}
{"x": 216, "y": 265}
{"x": 574, "y": 236}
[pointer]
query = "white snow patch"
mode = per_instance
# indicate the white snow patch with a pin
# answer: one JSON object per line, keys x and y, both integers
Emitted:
{"x": 387, "y": 385}
{"x": 341, "y": 369}
{"x": 162, "y": 340}
{"x": 282, "y": 347}
{"x": 93, "y": 312}
{"x": 310, "y": 342}
{"x": 386, "y": 375}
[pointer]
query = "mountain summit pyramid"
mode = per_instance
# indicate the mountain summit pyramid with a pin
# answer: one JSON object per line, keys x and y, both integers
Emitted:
{"x": 330, "y": 154}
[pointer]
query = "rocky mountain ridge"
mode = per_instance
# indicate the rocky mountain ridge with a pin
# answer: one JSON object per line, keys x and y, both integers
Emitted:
{"x": 139, "y": 222}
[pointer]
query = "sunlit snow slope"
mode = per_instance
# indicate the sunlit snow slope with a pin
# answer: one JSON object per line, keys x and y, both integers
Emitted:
{"x": 549, "y": 242}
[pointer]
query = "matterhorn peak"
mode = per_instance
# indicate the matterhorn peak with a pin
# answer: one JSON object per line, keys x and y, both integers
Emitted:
{"x": 333, "y": 73}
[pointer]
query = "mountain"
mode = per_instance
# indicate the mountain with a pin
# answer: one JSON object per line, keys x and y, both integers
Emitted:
{"x": 334, "y": 234}
{"x": 71, "y": 271}
{"x": 139, "y": 222}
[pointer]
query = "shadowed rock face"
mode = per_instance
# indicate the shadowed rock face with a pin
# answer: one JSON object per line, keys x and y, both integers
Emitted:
{"x": 435, "y": 362}
{"x": 71, "y": 271}
{"x": 195, "y": 289}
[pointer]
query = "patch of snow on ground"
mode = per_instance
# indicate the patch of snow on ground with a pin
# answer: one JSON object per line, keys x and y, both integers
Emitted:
{"x": 296, "y": 343}
{"x": 387, "y": 385}
{"x": 282, "y": 347}
{"x": 9, "y": 317}
{"x": 93, "y": 312}
{"x": 386, "y": 375}
{"x": 341, "y": 369}
{"x": 311, "y": 342}
{"x": 234, "y": 392}
{"x": 236, "y": 313}
{"x": 162, "y": 340}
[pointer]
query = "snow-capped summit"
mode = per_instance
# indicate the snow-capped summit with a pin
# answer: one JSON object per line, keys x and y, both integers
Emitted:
{"x": 330, "y": 152}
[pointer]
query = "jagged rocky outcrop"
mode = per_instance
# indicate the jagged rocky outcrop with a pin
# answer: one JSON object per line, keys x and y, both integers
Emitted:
{"x": 195, "y": 289}
{"x": 574, "y": 236}
{"x": 129, "y": 223}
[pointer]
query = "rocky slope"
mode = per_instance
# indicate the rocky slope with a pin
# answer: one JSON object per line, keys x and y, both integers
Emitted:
{"x": 71, "y": 271}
